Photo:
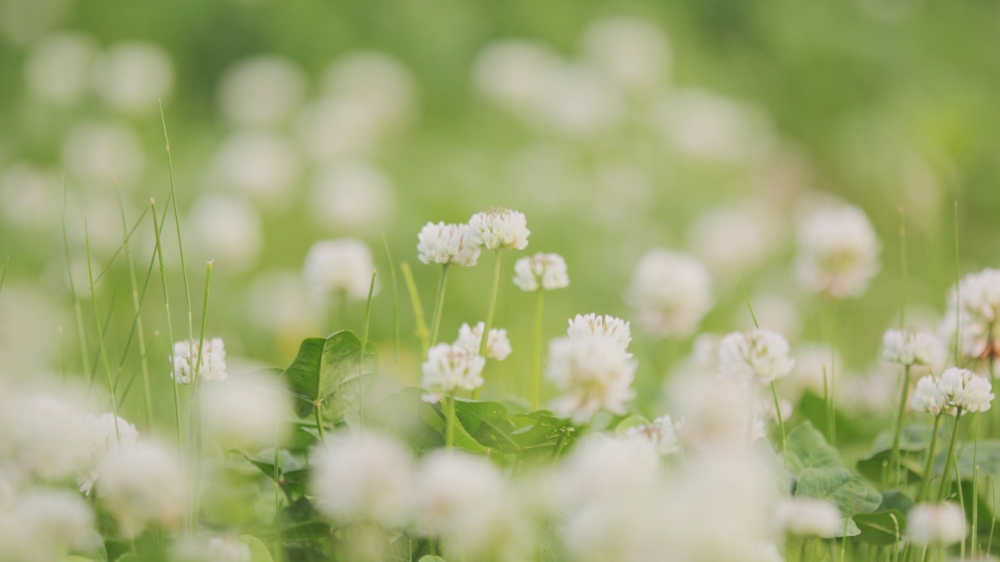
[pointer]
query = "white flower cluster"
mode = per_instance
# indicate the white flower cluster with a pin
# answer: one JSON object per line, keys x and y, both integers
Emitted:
{"x": 663, "y": 433}
{"x": 803, "y": 516}
{"x": 448, "y": 243}
{"x": 541, "y": 271}
{"x": 908, "y": 347}
{"x": 451, "y": 367}
{"x": 955, "y": 389}
{"x": 338, "y": 266}
{"x": 497, "y": 344}
{"x": 593, "y": 373}
{"x": 977, "y": 305}
{"x": 500, "y": 229}
{"x": 759, "y": 355}
{"x": 42, "y": 524}
{"x": 247, "y": 411}
{"x": 670, "y": 293}
{"x": 104, "y": 438}
{"x": 838, "y": 251}
{"x": 213, "y": 361}
{"x": 607, "y": 326}
{"x": 142, "y": 485}
{"x": 936, "y": 524}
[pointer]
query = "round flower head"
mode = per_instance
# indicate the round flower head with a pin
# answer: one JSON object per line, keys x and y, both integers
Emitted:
{"x": 670, "y": 293}
{"x": 977, "y": 303}
{"x": 141, "y": 485}
{"x": 42, "y": 524}
{"x": 907, "y": 347}
{"x": 805, "y": 516}
{"x": 227, "y": 549}
{"x": 541, "y": 271}
{"x": 213, "y": 360}
{"x": 838, "y": 251}
{"x": 453, "y": 487}
{"x": 759, "y": 355}
{"x": 497, "y": 344}
{"x": 247, "y": 411}
{"x": 500, "y": 229}
{"x": 928, "y": 397}
{"x": 450, "y": 367}
{"x": 447, "y": 243}
{"x": 367, "y": 476}
{"x": 614, "y": 329}
{"x": 103, "y": 439}
{"x": 338, "y": 266}
{"x": 663, "y": 433}
{"x": 961, "y": 388}
{"x": 594, "y": 373}
{"x": 935, "y": 524}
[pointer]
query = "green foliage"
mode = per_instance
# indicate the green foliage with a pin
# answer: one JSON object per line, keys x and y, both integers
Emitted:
{"x": 807, "y": 448}
{"x": 258, "y": 552}
{"x": 329, "y": 373}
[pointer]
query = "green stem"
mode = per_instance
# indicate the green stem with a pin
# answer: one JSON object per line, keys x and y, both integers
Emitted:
{"x": 319, "y": 420}
{"x": 951, "y": 453}
{"x": 395, "y": 302}
{"x": 439, "y": 304}
{"x": 196, "y": 400}
{"x": 536, "y": 364}
{"x": 449, "y": 441}
{"x": 484, "y": 339}
{"x": 100, "y": 333}
{"x": 170, "y": 326}
{"x": 136, "y": 304}
{"x": 364, "y": 348}
{"x": 77, "y": 308}
{"x": 925, "y": 487}
{"x": 418, "y": 310}
{"x": 177, "y": 224}
{"x": 894, "y": 459}
{"x": 781, "y": 422}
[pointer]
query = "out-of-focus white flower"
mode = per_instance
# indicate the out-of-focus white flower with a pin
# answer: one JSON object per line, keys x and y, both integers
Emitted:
{"x": 92, "y": 151}
{"x": 185, "y": 360}
{"x": 928, "y": 397}
{"x": 670, "y": 293}
{"x": 379, "y": 84}
{"x": 229, "y": 230}
{"x": 519, "y": 75}
{"x": 40, "y": 526}
{"x": 448, "y": 243}
{"x": 703, "y": 359}
{"x": 663, "y": 433}
{"x": 600, "y": 468}
{"x": 103, "y": 437}
{"x": 838, "y": 251}
{"x": 869, "y": 393}
{"x": 30, "y": 197}
{"x": 367, "y": 476}
{"x": 227, "y": 549}
{"x": 715, "y": 411}
{"x": 545, "y": 271}
{"x": 337, "y": 127}
{"x": 632, "y": 51}
{"x": 710, "y": 128}
{"x": 977, "y": 302}
{"x": 450, "y": 367}
{"x": 500, "y": 229}
{"x": 142, "y": 485}
{"x": 582, "y": 104}
{"x": 607, "y": 326}
{"x": 278, "y": 302}
{"x": 247, "y": 411}
{"x": 42, "y": 434}
{"x": 261, "y": 90}
{"x": 759, "y": 355}
{"x": 497, "y": 344}
{"x": 962, "y": 388}
{"x": 935, "y": 524}
{"x": 736, "y": 240}
{"x": 593, "y": 373}
{"x": 23, "y": 21}
{"x": 774, "y": 311}
{"x": 352, "y": 196}
{"x": 813, "y": 362}
{"x": 58, "y": 69}
{"x": 134, "y": 77}
{"x": 261, "y": 164}
{"x": 335, "y": 266}
{"x": 908, "y": 347}
{"x": 807, "y": 516}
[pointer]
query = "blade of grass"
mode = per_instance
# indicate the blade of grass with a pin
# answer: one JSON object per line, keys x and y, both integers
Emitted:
{"x": 78, "y": 309}
{"x": 3, "y": 276}
{"x": 395, "y": 301}
{"x": 170, "y": 327}
{"x": 364, "y": 346}
{"x": 418, "y": 311}
{"x": 135, "y": 374}
{"x": 177, "y": 223}
{"x": 195, "y": 401}
{"x": 100, "y": 333}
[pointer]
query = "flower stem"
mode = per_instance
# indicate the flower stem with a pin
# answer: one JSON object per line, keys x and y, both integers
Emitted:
{"x": 196, "y": 401}
{"x": 536, "y": 364}
{"x": 951, "y": 453}
{"x": 484, "y": 339}
{"x": 170, "y": 326}
{"x": 925, "y": 487}
{"x": 319, "y": 420}
{"x": 449, "y": 439}
{"x": 781, "y": 422}
{"x": 418, "y": 311}
{"x": 894, "y": 459}
{"x": 395, "y": 302}
{"x": 100, "y": 334}
{"x": 364, "y": 347}
{"x": 439, "y": 304}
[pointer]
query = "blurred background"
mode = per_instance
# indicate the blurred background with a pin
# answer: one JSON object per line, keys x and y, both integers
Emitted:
{"x": 701, "y": 126}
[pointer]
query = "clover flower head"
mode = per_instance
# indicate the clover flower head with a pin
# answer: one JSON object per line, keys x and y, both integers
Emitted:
{"x": 593, "y": 373}
{"x": 338, "y": 266}
{"x": 838, "y": 251}
{"x": 541, "y": 271}
{"x": 497, "y": 344}
{"x": 448, "y": 243}
{"x": 500, "y": 229}
{"x": 450, "y": 367}
{"x": 928, "y": 397}
{"x": 908, "y": 347}
{"x": 607, "y": 326}
{"x": 962, "y": 388}
{"x": 102, "y": 439}
{"x": 213, "y": 360}
{"x": 803, "y": 516}
{"x": 670, "y": 293}
{"x": 663, "y": 433}
{"x": 935, "y": 524}
{"x": 977, "y": 305}
{"x": 759, "y": 355}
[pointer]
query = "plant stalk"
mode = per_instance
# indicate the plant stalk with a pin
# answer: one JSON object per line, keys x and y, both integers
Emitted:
{"x": 439, "y": 304}
{"x": 894, "y": 460}
{"x": 951, "y": 453}
{"x": 925, "y": 487}
{"x": 781, "y": 422}
{"x": 536, "y": 363}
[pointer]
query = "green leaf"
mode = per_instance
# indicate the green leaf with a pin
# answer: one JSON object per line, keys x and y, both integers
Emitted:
{"x": 128, "y": 557}
{"x": 815, "y": 409}
{"x": 303, "y": 375}
{"x": 987, "y": 457}
{"x": 808, "y": 449}
{"x": 429, "y": 558}
{"x": 258, "y": 552}
{"x": 874, "y": 466}
{"x": 487, "y": 423}
{"x": 305, "y": 531}
{"x": 420, "y": 424}
{"x": 881, "y": 528}
{"x": 76, "y": 559}
{"x": 849, "y": 492}
{"x": 330, "y": 372}
{"x": 539, "y": 428}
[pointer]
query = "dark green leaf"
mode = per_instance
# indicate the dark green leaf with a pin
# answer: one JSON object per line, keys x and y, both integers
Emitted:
{"x": 875, "y": 466}
{"x": 303, "y": 375}
{"x": 808, "y": 449}
{"x": 305, "y": 531}
{"x": 258, "y": 552}
{"x": 881, "y": 528}
{"x": 849, "y": 492}
{"x": 487, "y": 423}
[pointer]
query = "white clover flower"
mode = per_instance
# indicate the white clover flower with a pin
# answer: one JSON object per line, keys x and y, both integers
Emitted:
{"x": 766, "y": 411}
{"x": 601, "y": 468}
{"x": 936, "y": 524}
{"x": 541, "y": 271}
{"x": 497, "y": 344}
{"x": 518, "y": 75}
{"x": 213, "y": 360}
{"x": 499, "y": 229}
{"x": 607, "y": 326}
{"x": 227, "y": 549}
{"x": 42, "y": 524}
{"x": 261, "y": 90}
{"x": 962, "y": 388}
{"x": 264, "y": 165}
{"x": 141, "y": 485}
{"x": 593, "y": 373}
{"x": 838, "y": 251}
{"x": 908, "y": 347}
{"x": 714, "y": 412}
{"x": 928, "y": 397}
{"x": 247, "y": 411}
{"x": 338, "y": 266}
{"x": 102, "y": 439}
{"x": 805, "y": 516}
{"x": 978, "y": 305}
{"x": 352, "y": 196}
{"x": 367, "y": 476}
{"x": 379, "y": 85}
{"x": 57, "y": 69}
{"x": 634, "y": 52}
{"x": 670, "y": 293}
{"x": 229, "y": 230}
{"x": 450, "y": 367}
{"x": 448, "y": 243}
{"x": 663, "y": 433}
{"x": 452, "y": 487}
{"x": 759, "y": 355}
{"x": 42, "y": 435}
{"x": 134, "y": 77}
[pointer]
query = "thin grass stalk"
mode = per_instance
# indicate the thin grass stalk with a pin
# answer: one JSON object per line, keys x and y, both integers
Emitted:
{"x": 421, "y": 331}
{"x": 177, "y": 224}
{"x": 894, "y": 459}
{"x": 484, "y": 339}
{"x": 975, "y": 487}
{"x": 364, "y": 348}
{"x": 170, "y": 325}
{"x": 100, "y": 334}
{"x": 196, "y": 401}
{"x": 781, "y": 422}
{"x": 925, "y": 486}
{"x": 439, "y": 304}
{"x": 78, "y": 309}
{"x": 3, "y": 276}
{"x": 536, "y": 360}
{"x": 395, "y": 302}
{"x": 135, "y": 375}
{"x": 951, "y": 453}
{"x": 993, "y": 509}
{"x": 449, "y": 441}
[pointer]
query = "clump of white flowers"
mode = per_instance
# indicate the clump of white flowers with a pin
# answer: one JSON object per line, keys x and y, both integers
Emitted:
{"x": 541, "y": 271}
{"x": 448, "y": 243}
{"x": 500, "y": 229}
{"x": 103, "y": 438}
{"x": 366, "y": 476}
{"x": 41, "y": 435}
{"x": 805, "y": 516}
{"x": 245, "y": 411}
{"x": 338, "y": 267}
{"x": 663, "y": 433}
{"x": 955, "y": 389}
{"x": 977, "y": 304}
{"x": 212, "y": 367}
{"x": 497, "y": 344}
{"x": 41, "y": 524}
{"x": 670, "y": 293}
{"x": 908, "y": 347}
{"x": 927, "y": 397}
{"x": 935, "y": 524}
{"x": 450, "y": 367}
{"x": 838, "y": 251}
{"x": 142, "y": 485}
{"x": 227, "y": 549}
{"x": 759, "y": 355}
{"x": 593, "y": 373}
{"x": 607, "y": 326}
